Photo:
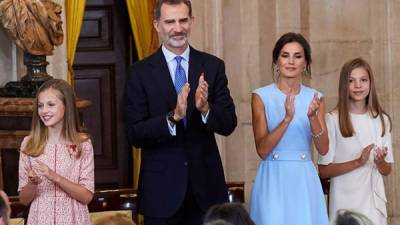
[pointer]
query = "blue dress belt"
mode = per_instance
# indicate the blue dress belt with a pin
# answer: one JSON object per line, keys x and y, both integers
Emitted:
{"x": 289, "y": 156}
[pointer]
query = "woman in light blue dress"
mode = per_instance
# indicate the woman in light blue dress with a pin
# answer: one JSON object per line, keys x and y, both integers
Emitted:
{"x": 287, "y": 116}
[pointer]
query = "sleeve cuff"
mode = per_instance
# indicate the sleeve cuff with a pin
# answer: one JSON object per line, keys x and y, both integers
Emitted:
{"x": 204, "y": 118}
{"x": 171, "y": 128}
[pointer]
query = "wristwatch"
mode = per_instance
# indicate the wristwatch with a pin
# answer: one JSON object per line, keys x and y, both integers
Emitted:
{"x": 170, "y": 117}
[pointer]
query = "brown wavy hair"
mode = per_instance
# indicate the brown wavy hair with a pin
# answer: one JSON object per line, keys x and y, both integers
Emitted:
{"x": 372, "y": 103}
{"x": 290, "y": 38}
{"x": 72, "y": 129}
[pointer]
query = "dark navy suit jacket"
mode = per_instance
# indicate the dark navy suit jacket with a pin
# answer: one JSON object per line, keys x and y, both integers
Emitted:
{"x": 170, "y": 162}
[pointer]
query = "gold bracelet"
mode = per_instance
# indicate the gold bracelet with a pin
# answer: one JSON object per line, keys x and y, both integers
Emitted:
{"x": 319, "y": 134}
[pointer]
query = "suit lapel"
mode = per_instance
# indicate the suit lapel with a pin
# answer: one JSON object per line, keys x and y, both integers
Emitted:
{"x": 195, "y": 69}
{"x": 162, "y": 78}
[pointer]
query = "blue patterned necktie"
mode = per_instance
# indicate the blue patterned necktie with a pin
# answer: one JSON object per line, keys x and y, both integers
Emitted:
{"x": 180, "y": 76}
{"x": 180, "y": 79}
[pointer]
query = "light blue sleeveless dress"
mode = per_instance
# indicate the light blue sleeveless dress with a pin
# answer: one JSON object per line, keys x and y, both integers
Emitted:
{"x": 287, "y": 190}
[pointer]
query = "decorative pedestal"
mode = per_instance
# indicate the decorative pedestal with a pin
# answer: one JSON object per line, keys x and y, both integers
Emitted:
{"x": 35, "y": 76}
{"x": 15, "y": 122}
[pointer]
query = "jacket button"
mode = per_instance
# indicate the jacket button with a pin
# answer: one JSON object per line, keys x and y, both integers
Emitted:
{"x": 186, "y": 163}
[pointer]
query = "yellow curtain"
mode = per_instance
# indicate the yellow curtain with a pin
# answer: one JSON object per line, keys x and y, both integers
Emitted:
{"x": 141, "y": 17}
{"x": 74, "y": 10}
{"x": 146, "y": 42}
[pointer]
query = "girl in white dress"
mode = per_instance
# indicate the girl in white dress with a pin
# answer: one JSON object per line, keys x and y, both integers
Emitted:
{"x": 360, "y": 146}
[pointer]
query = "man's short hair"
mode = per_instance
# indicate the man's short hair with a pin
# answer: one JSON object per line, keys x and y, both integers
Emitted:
{"x": 159, "y": 3}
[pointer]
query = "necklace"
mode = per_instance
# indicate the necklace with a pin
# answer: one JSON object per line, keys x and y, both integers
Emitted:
{"x": 296, "y": 89}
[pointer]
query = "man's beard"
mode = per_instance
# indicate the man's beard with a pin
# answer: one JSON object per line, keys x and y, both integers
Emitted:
{"x": 176, "y": 43}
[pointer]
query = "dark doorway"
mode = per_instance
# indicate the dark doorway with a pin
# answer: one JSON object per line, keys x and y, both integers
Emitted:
{"x": 103, "y": 54}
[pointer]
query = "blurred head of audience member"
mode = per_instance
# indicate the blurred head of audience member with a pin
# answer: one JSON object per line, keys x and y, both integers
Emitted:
{"x": 348, "y": 217}
{"x": 5, "y": 210}
{"x": 117, "y": 219}
{"x": 218, "y": 222}
{"x": 233, "y": 213}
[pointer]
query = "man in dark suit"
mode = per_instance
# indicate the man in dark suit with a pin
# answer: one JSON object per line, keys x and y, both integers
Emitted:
{"x": 177, "y": 99}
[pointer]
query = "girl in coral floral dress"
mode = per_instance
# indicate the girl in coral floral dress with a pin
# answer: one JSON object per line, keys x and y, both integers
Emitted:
{"x": 56, "y": 161}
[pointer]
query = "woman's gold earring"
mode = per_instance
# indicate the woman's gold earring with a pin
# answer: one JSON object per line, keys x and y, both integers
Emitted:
{"x": 305, "y": 72}
{"x": 276, "y": 72}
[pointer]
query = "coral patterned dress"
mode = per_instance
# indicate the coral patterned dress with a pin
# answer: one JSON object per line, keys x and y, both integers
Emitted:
{"x": 51, "y": 205}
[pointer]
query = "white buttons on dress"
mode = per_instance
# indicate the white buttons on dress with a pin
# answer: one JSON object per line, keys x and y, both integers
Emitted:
{"x": 275, "y": 156}
{"x": 303, "y": 156}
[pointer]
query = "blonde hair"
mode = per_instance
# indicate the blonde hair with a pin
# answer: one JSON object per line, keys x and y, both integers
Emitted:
{"x": 71, "y": 123}
{"x": 117, "y": 219}
{"x": 372, "y": 103}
